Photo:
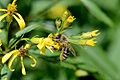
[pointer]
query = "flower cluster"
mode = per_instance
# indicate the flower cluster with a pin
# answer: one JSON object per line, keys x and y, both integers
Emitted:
{"x": 11, "y": 12}
{"x": 57, "y": 41}
{"x": 43, "y": 43}
{"x": 18, "y": 53}
{"x": 88, "y": 38}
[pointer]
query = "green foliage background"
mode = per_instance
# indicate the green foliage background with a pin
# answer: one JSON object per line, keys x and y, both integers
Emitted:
{"x": 101, "y": 61}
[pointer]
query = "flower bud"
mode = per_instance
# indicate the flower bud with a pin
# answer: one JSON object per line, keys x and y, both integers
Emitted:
{"x": 65, "y": 15}
{"x": 81, "y": 73}
{"x": 90, "y": 42}
{"x": 68, "y": 21}
{"x": 90, "y": 34}
{"x": 58, "y": 23}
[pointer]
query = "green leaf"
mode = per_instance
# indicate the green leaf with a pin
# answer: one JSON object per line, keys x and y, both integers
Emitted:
{"x": 4, "y": 3}
{"x": 114, "y": 48}
{"x": 4, "y": 37}
{"x": 95, "y": 57}
{"x": 102, "y": 62}
{"x": 62, "y": 75}
{"x": 108, "y": 5}
{"x": 28, "y": 29}
{"x": 4, "y": 72}
{"x": 67, "y": 65}
{"x": 97, "y": 12}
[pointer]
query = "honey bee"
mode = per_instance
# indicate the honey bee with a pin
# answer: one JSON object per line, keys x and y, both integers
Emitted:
{"x": 65, "y": 47}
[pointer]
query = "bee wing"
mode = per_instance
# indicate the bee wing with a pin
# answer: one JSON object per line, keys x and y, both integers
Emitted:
{"x": 72, "y": 50}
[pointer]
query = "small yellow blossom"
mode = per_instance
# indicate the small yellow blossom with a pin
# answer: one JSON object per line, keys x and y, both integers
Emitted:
{"x": 70, "y": 19}
{"x": 90, "y": 34}
{"x": 44, "y": 43}
{"x": 18, "y": 53}
{"x": 81, "y": 73}
{"x": 11, "y": 11}
{"x": 0, "y": 30}
{"x": 90, "y": 42}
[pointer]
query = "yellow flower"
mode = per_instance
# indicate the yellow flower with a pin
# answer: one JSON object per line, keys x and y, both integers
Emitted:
{"x": 81, "y": 73}
{"x": 18, "y": 53}
{"x": 11, "y": 11}
{"x": 90, "y": 42}
{"x": 56, "y": 11}
{"x": 90, "y": 34}
{"x": 68, "y": 21}
{"x": 44, "y": 43}
{"x": 0, "y": 30}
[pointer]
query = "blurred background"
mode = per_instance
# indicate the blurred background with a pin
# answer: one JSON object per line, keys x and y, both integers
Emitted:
{"x": 91, "y": 63}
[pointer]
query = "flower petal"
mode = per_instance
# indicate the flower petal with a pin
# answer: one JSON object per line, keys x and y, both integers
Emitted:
{"x": 3, "y": 16}
{"x": 34, "y": 60}
{"x": 27, "y": 46}
{"x": 8, "y": 55}
{"x": 20, "y": 20}
{"x": 12, "y": 59}
{"x": 3, "y": 10}
{"x": 49, "y": 48}
{"x": 42, "y": 48}
{"x": 23, "y": 67}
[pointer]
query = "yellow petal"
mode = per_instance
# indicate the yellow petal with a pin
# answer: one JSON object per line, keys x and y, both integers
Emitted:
{"x": 3, "y": 16}
{"x": 70, "y": 19}
{"x": 0, "y": 30}
{"x": 8, "y": 55}
{"x": 23, "y": 67}
{"x": 95, "y": 33}
{"x": 41, "y": 44}
{"x": 20, "y": 20}
{"x": 3, "y": 10}
{"x": 42, "y": 48}
{"x": 14, "y": 1}
{"x": 12, "y": 59}
{"x": 49, "y": 49}
{"x": 91, "y": 42}
{"x": 42, "y": 51}
{"x": 27, "y": 46}
{"x": 34, "y": 60}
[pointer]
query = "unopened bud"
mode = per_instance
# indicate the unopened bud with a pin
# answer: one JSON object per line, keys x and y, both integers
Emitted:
{"x": 90, "y": 34}
{"x": 68, "y": 21}
{"x": 58, "y": 23}
{"x": 65, "y": 15}
{"x": 90, "y": 42}
{"x": 81, "y": 73}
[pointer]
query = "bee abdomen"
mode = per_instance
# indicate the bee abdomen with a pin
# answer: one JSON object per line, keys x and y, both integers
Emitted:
{"x": 64, "y": 54}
